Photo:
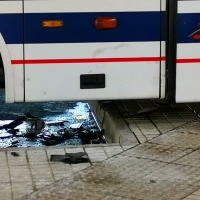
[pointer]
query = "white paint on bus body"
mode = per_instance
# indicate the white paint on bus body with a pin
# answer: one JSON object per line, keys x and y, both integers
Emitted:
{"x": 47, "y": 82}
{"x": 14, "y": 76}
{"x": 60, "y": 6}
{"x": 121, "y": 78}
{"x": 89, "y": 50}
{"x": 187, "y": 74}
{"x": 121, "y": 81}
{"x": 189, "y": 6}
{"x": 11, "y": 7}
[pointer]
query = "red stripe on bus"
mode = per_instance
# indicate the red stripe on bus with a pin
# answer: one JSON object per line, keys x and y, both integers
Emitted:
{"x": 88, "y": 60}
{"x": 197, "y": 37}
{"x": 188, "y": 60}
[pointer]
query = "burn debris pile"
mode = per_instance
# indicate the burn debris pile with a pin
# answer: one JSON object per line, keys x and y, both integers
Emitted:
{"x": 80, "y": 130}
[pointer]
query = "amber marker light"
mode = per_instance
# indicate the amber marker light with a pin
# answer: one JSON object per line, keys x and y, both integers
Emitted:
{"x": 52, "y": 23}
{"x": 103, "y": 23}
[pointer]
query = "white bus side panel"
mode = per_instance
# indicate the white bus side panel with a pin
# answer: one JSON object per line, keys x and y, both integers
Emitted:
{"x": 163, "y": 51}
{"x": 188, "y": 54}
{"x": 46, "y": 80}
{"x": 11, "y": 29}
{"x": 16, "y": 53}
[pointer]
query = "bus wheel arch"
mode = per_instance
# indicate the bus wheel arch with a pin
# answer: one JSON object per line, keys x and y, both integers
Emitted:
{"x": 8, "y": 72}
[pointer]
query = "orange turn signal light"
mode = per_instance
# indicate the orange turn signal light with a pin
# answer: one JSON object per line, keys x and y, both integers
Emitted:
{"x": 102, "y": 23}
{"x": 52, "y": 23}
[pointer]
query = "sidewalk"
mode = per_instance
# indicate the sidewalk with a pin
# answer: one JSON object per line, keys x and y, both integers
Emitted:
{"x": 165, "y": 168}
{"x": 32, "y": 170}
{"x": 157, "y": 157}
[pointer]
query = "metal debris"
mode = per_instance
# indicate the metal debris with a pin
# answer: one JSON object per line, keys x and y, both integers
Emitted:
{"x": 70, "y": 158}
{"x": 14, "y": 123}
{"x": 56, "y": 123}
{"x": 14, "y": 154}
{"x": 4, "y": 134}
{"x": 76, "y": 126}
{"x": 65, "y": 130}
{"x": 158, "y": 106}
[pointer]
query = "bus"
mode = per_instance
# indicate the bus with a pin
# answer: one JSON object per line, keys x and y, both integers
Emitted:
{"x": 61, "y": 50}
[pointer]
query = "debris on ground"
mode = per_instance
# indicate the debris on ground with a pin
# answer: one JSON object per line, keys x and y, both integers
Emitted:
{"x": 56, "y": 123}
{"x": 67, "y": 131}
{"x": 14, "y": 123}
{"x": 14, "y": 154}
{"x": 70, "y": 158}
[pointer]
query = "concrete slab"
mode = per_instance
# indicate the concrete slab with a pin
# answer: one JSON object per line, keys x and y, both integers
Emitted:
{"x": 110, "y": 119}
{"x": 107, "y": 180}
{"x": 32, "y": 169}
{"x": 181, "y": 137}
{"x": 112, "y": 116}
{"x": 153, "y": 170}
{"x": 159, "y": 152}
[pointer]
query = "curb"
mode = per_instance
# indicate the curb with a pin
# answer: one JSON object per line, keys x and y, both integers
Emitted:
{"x": 109, "y": 118}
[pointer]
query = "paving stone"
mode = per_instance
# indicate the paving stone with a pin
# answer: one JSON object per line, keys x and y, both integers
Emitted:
{"x": 158, "y": 152}
{"x": 192, "y": 159}
{"x": 61, "y": 170}
{"x": 59, "y": 176}
{"x": 41, "y": 184}
{"x": 177, "y": 174}
{"x": 6, "y": 196}
{"x": 160, "y": 121}
{"x": 145, "y": 126}
{"x": 79, "y": 167}
{"x": 180, "y": 139}
{"x": 96, "y": 154}
{"x": 72, "y": 194}
{"x": 17, "y": 195}
{"x": 134, "y": 128}
{"x": 5, "y": 191}
{"x": 141, "y": 139}
{"x": 42, "y": 173}
{"x": 74, "y": 150}
{"x": 61, "y": 167}
{"x": 95, "y": 149}
{"x": 185, "y": 112}
{"x": 37, "y": 157}
{"x": 193, "y": 196}
{"x": 3, "y": 159}
{"x": 105, "y": 180}
{"x": 111, "y": 151}
{"x": 111, "y": 197}
{"x": 195, "y": 129}
{"x": 126, "y": 137}
{"x": 21, "y": 188}
{"x": 130, "y": 166}
{"x": 126, "y": 147}
{"x": 4, "y": 175}
{"x": 195, "y": 107}
{"x": 17, "y": 160}
{"x": 20, "y": 174}
{"x": 164, "y": 128}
